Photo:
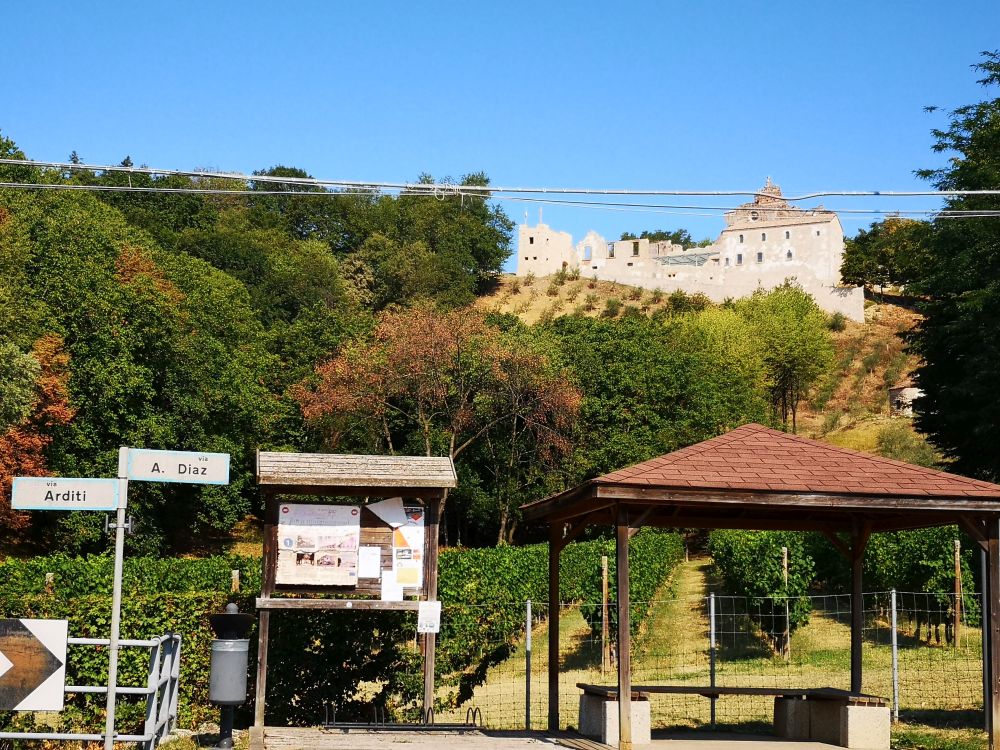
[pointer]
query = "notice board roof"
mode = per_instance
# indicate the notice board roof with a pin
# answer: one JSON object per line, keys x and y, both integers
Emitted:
{"x": 334, "y": 473}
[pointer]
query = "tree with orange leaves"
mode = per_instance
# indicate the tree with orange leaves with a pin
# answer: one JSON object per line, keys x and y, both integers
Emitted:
{"x": 440, "y": 383}
{"x": 22, "y": 445}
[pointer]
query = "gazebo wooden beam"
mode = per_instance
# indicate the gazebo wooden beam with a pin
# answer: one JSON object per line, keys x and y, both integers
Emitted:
{"x": 624, "y": 632}
{"x": 859, "y": 540}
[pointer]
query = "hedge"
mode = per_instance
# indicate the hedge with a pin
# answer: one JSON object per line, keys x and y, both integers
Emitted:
{"x": 316, "y": 657}
{"x": 749, "y": 563}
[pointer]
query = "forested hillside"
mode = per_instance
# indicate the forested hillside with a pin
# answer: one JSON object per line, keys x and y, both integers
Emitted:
{"x": 339, "y": 321}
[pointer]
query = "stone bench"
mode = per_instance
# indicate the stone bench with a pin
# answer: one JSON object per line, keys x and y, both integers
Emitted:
{"x": 840, "y": 717}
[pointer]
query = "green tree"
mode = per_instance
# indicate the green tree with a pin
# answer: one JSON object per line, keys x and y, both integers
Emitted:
{"x": 959, "y": 337}
{"x": 795, "y": 342}
{"x": 890, "y": 252}
{"x": 18, "y": 372}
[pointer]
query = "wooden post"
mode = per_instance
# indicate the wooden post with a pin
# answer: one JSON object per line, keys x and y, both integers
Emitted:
{"x": 605, "y": 641}
{"x": 858, "y": 542}
{"x": 268, "y": 574}
{"x": 624, "y": 635}
{"x": 234, "y": 581}
{"x": 957, "y": 630}
{"x": 993, "y": 623}
{"x": 555, "y": 545}
{"x": 433, "y": 510}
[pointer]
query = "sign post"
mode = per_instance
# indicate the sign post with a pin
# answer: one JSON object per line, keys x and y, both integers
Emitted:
{"x": 61, "y": 493}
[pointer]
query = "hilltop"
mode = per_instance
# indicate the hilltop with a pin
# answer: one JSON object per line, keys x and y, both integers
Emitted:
{"x": 849, "y": 407}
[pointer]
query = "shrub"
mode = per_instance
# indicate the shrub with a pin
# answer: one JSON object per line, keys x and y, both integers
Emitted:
{"x": 837, "y": 322}
{"x": 574, "y": 274}
{"x": 515, "y": 286}
{"x": 592, "y": 284}
{"x": 560, "y": 276}
{"x": 656, "y": 296}
{"x": 590, "y": 301}
{"x": 612, "y": 306}
{"x": 529, "y": 278}
{"x": 635, "y": 294}
{"x": 573, "y": 292}
{"x": 553, "y": 289}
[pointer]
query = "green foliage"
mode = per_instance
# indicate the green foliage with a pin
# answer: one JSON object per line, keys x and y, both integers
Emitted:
{"x": 18, "y": 372}
{"x": 898, "y": 441}
{"x": 612, "y": 306}
{"x": 889, "y": 253}
{"x": 750, "y": 564}
{"x": 837, "y": 322}
{"x": 650, "y": 388}
{"x": 796, "y": 343}
{"x": 959, "y": 338}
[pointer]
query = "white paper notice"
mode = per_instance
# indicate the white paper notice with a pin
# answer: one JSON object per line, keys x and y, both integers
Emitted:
{"x": 318, "y": 544}
{"x": 370, "y": 562}
{"x": 429, "y": 617}
{"x": 391, "y": 591}
{"x": 390, "y": 510}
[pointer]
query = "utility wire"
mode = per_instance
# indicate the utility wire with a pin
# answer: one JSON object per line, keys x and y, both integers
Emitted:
{"x": 676, "y": 209}
{"x": 445, "y": 189}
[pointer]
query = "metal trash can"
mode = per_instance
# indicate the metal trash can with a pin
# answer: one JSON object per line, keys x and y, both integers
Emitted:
{"x": 227, "y": 685}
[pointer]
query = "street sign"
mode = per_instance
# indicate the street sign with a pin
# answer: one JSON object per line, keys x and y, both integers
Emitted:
{"x": 188, "y": 467}
{"x": 32, "y": 664}
{"x": 64, "y": 493}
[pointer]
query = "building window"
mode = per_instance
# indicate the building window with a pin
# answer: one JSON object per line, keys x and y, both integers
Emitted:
{"x": 788, "y": 235}
{"x": 817, "y": 233}
{"x": 727, "y": 261}
{"x": 531, "y": 240}
{"x": 611, "y": 251}
{"x": 586, "y": 252}
{"x": 629, "y": 263}
{"x": 535, "y": 258}
{"x": 760, "y": 257}
{"x": 741, "y": 239}
{"x": 739, "y": 259}
{"x": 763, "y": 236}
{"x": 635, "y": 249}
{"x": 788, "y": 255}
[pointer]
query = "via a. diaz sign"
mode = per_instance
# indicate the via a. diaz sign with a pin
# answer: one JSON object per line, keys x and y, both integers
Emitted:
{"x": 189, "y": 467}
{"x": 64, "y": 493}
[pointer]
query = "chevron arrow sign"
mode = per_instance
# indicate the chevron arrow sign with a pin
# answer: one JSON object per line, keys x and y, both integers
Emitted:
{"x": 32, "y": 664}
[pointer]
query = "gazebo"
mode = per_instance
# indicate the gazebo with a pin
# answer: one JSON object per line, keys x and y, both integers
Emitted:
{"x": 759, "y": 478}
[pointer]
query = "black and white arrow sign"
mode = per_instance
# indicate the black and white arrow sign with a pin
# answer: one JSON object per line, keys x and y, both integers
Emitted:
{"x": 32, "y": 664}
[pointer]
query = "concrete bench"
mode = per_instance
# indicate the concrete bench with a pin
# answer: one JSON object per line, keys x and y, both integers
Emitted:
{"x": 840, "y": 717}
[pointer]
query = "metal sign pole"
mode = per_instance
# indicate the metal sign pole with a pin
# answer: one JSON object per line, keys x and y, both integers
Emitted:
{"x": 116, "y": 598}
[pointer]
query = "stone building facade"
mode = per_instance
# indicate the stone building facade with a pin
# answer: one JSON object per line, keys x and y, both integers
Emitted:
{"x": 765, "y": 242}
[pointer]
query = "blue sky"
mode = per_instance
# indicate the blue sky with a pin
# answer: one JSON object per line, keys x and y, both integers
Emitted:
{"x": 706, "y": 95}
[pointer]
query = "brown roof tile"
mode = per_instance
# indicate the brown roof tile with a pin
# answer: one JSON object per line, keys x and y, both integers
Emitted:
{"x": 754, "y": 457}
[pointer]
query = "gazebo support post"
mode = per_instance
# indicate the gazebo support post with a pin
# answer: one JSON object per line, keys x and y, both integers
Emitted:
{"x": 859, "y": 540}
{"x": 624, "y": 634}
{"x": 555, "y": 547}
{"x": 993, "y": 647}
{"x": 433, "y": 515}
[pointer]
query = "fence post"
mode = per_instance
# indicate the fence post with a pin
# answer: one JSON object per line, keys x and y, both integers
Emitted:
{"x": 957, "y": 628}
{"x": 711, "y": 651}
{"x": 605, "y": 644}
{"x": 786, "y": 645}
{"x": 152, "y": 699}
{"x": 895, "y": 662}
{"x": 527, "y": 666}
{"x": 986, "y": 636}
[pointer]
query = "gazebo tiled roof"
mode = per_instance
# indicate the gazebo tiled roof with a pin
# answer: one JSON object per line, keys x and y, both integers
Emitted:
{"x": 757, "y": 477}
{"x": 754, "y": 457}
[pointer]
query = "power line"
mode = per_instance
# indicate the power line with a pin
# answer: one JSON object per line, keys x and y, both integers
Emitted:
{"x": 676, "y": 209}
{"x": 445, "y": 189}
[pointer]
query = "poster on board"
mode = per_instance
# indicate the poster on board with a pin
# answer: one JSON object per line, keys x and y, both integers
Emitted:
{"x": 408, "y": 548}
{"x": 318, "y": 544}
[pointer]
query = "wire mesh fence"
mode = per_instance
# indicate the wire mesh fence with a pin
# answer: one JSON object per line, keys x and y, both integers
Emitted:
{"x": 927, "y": 668}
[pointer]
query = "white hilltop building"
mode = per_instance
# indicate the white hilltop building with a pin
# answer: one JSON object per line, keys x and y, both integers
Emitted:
{"x": 765, "y": 242}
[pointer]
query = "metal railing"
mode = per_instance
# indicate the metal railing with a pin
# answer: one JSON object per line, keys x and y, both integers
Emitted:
{"x": 161, "y": 691}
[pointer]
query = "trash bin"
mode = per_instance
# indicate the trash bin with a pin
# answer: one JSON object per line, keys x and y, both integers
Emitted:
{"x": 228, "y": 677}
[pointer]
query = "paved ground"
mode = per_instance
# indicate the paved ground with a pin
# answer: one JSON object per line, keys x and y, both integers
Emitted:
{"x": 318, "y": 739}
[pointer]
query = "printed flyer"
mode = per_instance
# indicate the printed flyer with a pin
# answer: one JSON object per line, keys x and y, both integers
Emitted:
{"x": 408, "y": 548}
{"x": 318, "y": 544}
